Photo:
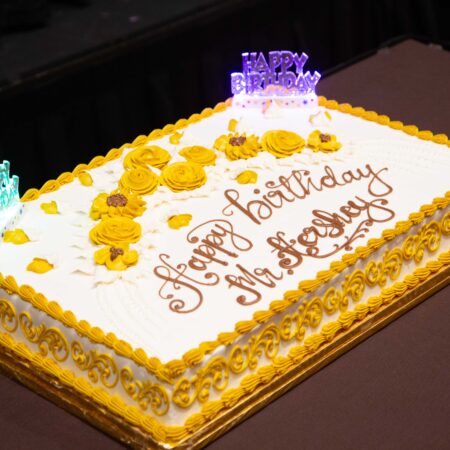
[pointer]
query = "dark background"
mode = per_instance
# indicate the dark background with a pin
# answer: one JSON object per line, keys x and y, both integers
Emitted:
{"x": 79, "y": 77}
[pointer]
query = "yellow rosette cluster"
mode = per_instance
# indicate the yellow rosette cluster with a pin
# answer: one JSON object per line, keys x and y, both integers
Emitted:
{"x": 144, "y": 155}
{"x": 115, "y": 231}
{"x": 323, "y": 142}
{"x": 118, "y": 257}
{"x": 238, "y": 146}
{"x": 183, "y": 176}
{"x": 199, "y": 154}
{"x": 117, "y": 204}
{"x": 140, "y": 181}
{"x": 282, "y": 143}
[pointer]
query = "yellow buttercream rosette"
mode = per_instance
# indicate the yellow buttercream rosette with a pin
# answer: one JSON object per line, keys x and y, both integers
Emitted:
{"x": 117, "y": 204}
{"x": 281, "y": 143}
{"x": 140, "y": 181}
{"x": 238, "y": 146}
{"x": 199, "y": 154}
{"x": 183, "y": 176}
{"x": 115, "y": 231}
{"x": 147, "y": 155}
{"x": 323, "y": 142}
{"x": 116, "y": 257}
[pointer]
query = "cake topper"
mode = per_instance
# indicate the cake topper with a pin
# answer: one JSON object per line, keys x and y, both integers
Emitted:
{"x": 9, "y": 187}
{"x": 281, "y": 74}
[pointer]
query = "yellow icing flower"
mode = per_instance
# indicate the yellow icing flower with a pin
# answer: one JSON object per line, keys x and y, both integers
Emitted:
{"x": 50, "y": 208}
{"x": 175, "y": 138}
{"x": 238, "y": 146}
{"x": 151, "y": 155}
{"x": 115, "y": 230}
{"x": 39, "y": 265}
{"x": 199, "y": 154}
{"x": 85, "y": 178}
{"x": 116, "y": 258}
{"x": 17, "y": 237}
{"x": 247, "y": 177}
{"x": 140, "y": 181}
{"x": 117, "y": 204}
{"x": 282, "y": 143}
{"x": 183, "y": 176}
{"x": 324, "y": 142}
{"x": 232, "y": 125}
{"x": 180, "y": 220}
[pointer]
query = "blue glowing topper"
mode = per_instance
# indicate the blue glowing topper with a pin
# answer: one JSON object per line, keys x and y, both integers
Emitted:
{"x": 9, "y": 187}
{"x": 260, "y": 75}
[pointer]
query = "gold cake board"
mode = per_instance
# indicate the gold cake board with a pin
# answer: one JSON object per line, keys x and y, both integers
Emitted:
{"x": 73, "y": 401}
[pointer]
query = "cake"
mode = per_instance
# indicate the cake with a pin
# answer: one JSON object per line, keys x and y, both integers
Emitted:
{"x": 193, "y": 272}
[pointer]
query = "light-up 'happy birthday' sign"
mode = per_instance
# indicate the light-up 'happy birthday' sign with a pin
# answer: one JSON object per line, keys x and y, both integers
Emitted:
{"x": 9, "y": 187}
{"x": 264, "y": 77}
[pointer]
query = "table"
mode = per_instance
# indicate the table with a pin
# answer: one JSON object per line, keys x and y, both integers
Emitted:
{"x": 391, "y": 391}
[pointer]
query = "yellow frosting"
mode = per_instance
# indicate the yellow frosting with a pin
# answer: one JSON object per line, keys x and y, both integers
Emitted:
{"x": 116, "y": 257}
{"x": 282, "y": 143}
{"x": 247, "y": 177}
{"x": 199, "y": 154}
{"x": 238, "y": 146}
{"x": 85, "y": 178}
{"x": 39, "y": 265}
{"x": 103, "y": 205}
{"x": 115, "y": 230}
{"x": 183, "y": 176}
{"x": 180, "y": 220}
{"x": 50, "y": 208}
{"x": 324, "y": 142}
{"x": 175, "y": 138}
{"x": 232, "y": 125}
{"x": 140, "y": 181}
{"x": 17, "y": 236}
{"x": 144, "y": 155}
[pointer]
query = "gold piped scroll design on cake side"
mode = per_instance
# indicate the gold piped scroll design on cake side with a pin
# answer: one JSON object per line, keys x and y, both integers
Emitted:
{"x": 173, "y": 434}
{"x": 170, "y": 371}
{"x": 216, "y": 373}
{"x": 48, "y": 339}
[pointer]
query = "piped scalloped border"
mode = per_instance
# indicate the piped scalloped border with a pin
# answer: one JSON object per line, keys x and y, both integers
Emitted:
{"x": 171, "y": 370}
{"x": 170, "y": 434}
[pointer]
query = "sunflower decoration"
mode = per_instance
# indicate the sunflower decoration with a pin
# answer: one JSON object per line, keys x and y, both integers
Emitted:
{"x": 116, "y": 257}
{"x": 323, "y": 142}
{"x": 238, "y": 146}
{"x": 118, "y": 203}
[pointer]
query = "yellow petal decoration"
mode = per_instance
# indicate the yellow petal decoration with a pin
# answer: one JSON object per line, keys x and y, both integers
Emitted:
{"x": 323, "y": 142}
{"x": 183, "y": 176}
{"x": 17, "y": 237}
{"x": 282, "y": 143}
{"x": 50, "y": 208}
{"x": 116, "y": 258}
{"x": 150, "y": 155}
{"x": 180, "y": 220}
{"x": 247, "y": 177}
{"x": 232, "y": 125}
{"x": 117, "y": 204}
{"x": 39, "y": 265}
{"x": 115, "y": 231}
{"x": 199, "y": 154}
{"x": 175, "y": 138}
{"x": 238, "y": 146}
{"x": 85, "y": 179}
{"x": 140, "y": 181}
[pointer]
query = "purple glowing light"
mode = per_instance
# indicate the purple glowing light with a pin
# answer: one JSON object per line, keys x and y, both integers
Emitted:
{"x": 272, "y": 77}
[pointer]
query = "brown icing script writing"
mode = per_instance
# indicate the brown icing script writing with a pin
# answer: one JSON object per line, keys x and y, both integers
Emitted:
{"x": 218, "y": 244}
